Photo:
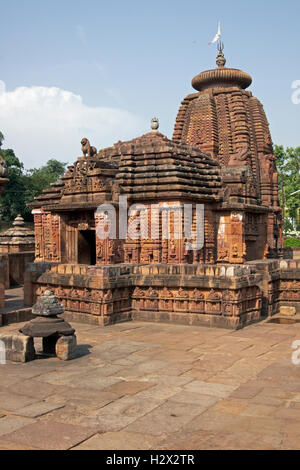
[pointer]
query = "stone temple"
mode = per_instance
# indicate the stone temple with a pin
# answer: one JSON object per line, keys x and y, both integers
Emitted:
{"x": 220, "y": 160}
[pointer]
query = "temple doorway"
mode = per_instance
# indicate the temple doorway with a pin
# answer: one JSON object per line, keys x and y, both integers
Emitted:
{"x": 87, "y": 247}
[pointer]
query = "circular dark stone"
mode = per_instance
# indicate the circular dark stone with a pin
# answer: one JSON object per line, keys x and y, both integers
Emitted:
{"x": 45, "y": 327}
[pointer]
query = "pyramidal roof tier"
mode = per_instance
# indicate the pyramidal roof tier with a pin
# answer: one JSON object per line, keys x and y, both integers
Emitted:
{"x": 145, "y": 167}
{"x": 153, "y": 164}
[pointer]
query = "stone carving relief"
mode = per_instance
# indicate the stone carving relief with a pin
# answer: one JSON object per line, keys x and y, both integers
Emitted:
{"x": 87, "y": 149}
{"x": 242, "y": 157}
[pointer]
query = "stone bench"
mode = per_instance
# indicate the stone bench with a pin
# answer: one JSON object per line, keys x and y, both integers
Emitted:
{"x": 20, "y": 348}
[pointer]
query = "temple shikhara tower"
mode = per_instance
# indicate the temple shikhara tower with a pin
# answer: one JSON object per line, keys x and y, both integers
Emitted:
{"x": 217, "y": 173}
{"x": 228, "y": 123}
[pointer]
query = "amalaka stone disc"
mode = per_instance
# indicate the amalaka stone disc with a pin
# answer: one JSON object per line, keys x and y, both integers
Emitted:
{"x": 39, "y": 328}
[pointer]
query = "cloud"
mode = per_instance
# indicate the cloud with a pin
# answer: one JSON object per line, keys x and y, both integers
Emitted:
{"x": 40, "y": 123}
{"x": 2, "y": 87}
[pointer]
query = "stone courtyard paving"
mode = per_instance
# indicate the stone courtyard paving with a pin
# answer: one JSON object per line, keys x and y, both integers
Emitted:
{"x": 157, "y": 386}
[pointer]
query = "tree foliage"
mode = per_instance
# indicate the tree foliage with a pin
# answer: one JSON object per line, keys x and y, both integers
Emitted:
{"x": 24, "y": 185}
{"x": 292, "y": 242}
{"x": 288, "y": 165}
{"x": 38, "y": 179}
{"x": 12, "y": 201}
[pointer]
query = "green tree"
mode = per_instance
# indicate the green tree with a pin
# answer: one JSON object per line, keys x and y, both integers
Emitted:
{"x": 23, "y": 186}
{"x": 38, "y": 179}
{"x": 288, "y": 164}
{"x": 12, "y": 201}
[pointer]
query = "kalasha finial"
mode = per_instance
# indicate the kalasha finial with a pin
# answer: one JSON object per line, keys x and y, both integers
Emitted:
{"x": 221, "y": 61}
{"x": 154, "y": 124}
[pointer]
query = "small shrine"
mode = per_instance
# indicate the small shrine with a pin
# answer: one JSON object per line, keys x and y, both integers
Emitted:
{"x": 18, "y": 238}
{"x": 17, "y": 247}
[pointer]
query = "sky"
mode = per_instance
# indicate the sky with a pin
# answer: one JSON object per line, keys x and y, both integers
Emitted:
{"x": 102, "y": 69}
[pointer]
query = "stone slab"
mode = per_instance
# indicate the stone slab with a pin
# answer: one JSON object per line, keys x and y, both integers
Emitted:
{"x": 32, "y": 388}
{"x": 121, "y": 440}
{"x": 213, "y": 389}
{"x": 12, "y": 423}
{"x": 38, "y": 409}
{"x": 190, "y": 398}
{"x": 14, "y": 402}
{"x": 124, "y": 411}
{"x": 128, "y": 387}
{"x": 165, "y": 419}
{"x": 50, "y": 435}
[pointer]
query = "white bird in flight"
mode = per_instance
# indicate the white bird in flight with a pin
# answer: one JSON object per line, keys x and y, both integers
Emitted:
{"x": 217, "y": 36}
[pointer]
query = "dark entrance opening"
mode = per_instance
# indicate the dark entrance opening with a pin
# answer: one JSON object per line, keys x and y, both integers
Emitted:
{"x": 87, "y": 247}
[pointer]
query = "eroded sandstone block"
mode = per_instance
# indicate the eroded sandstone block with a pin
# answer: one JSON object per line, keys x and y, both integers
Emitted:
{"x": 66, "y": 348}
{"x": 287, "y": 311}
{"x": 18, "y": 348}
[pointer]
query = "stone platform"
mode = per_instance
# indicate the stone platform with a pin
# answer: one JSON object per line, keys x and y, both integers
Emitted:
{"x": 157, "y": 386}
{"x": 226, "y": 296}
{"x": 15, "y": 310}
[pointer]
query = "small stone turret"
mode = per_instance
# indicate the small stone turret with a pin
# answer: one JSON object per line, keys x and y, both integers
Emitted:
{"x": 48, "y": 326}
{"x": 18, "y": 238}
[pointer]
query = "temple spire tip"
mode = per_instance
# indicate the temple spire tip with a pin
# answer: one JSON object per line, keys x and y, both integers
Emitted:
{"x": 221, "y": 61}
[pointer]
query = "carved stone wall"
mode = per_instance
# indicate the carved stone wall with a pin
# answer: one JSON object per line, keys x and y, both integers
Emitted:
{"x": 289, "y": 284}
{"x": 210, "y": 295}
{"x": 228, "y": 296}
{"x": 104, "y": 305}
{"x": 47, "y": 236}
{"x": 228, "y": 304}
